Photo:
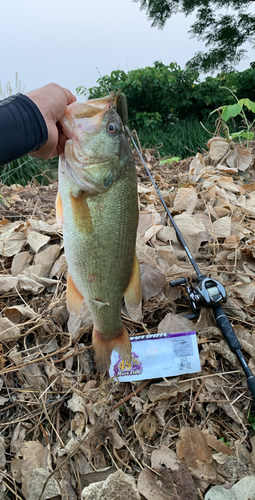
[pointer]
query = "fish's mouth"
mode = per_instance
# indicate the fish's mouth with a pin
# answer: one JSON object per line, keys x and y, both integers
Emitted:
{"x": 85, "y": 117}
{"x": 81, "y": 176}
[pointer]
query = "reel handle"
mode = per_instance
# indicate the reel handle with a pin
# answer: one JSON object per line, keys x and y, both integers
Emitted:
{"x": 181, "y": 281}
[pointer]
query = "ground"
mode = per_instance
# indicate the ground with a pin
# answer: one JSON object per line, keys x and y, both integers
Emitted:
{"x": 64, "y": 426}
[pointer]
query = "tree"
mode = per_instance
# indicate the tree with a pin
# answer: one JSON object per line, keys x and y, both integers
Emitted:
{"x": 224, "y": 26}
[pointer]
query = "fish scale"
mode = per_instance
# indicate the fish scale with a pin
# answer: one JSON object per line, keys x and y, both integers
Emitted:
{"x": 99, "y": 229}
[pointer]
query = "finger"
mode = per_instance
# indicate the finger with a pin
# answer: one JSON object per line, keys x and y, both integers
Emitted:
{"x": 61, "y": 140}
{"x": 70, "y": 98}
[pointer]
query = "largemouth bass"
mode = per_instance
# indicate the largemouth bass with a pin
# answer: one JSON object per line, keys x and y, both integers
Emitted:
{"x": 97, "y": 205}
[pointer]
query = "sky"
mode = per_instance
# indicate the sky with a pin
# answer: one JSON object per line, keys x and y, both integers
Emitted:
{"x": 65, "y": 41}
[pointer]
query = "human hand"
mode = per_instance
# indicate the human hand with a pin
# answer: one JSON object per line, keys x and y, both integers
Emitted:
{"x": 52, "y": 100}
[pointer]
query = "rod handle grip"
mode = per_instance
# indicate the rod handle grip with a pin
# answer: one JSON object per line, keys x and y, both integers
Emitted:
{"x": 251, "y": 385}
{"x": 226, "y": 329}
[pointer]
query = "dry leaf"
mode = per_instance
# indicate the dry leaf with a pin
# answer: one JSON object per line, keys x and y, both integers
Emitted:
{"x": 174, "y": 323}
{"x": 148, "y": 426}
{"x": 58, "y": 267}
{"x": 8, "y": 330}
{"x": 44, "y": 227}
{"x": 218, "y": 445}
{"x": 145, "y": 253}
{"x": 192, "y": 446}
{"x": 196, "y": 168}
{"x": 165, "y": 390}
{"x": 174, "y": 482}
{"x": 218, "y": 147}
{"x": 20, "y": 262}
{"x": 11, "y": 242}
{"x": 167, "y": 234}
{"x": 152, "y": 281}
{"x": 228, "y": 184}
{"x": 243, "y": 490}
{"x": 190, "y": 229}
{"x": 34, "y": 455}
{"x": 7, "y": 283}
{"x": 246, "y": 292}
{"x": 34, "y": 377}
{"x": 186, "y": 200}
{"x": 14, "y": 313}
{"x": 29, "y": 285}
{"x": 222, "y": 227}
{"x": 240, "y": 158}
{"x": 152, "y": 231}
{"x": 37, "y": 240}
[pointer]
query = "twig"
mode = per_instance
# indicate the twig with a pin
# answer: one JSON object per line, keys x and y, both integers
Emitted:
{"x": 14, "y": 492}
{"x": 196, "y": 396}
{"x": 120, "y": 460}
{"x": 70, "y": 455}
{"x": 134, "y": 393}
{"x": 37, "y": 360}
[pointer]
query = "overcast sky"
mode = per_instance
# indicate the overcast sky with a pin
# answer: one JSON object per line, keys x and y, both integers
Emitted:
{"x": 64, "y": 41}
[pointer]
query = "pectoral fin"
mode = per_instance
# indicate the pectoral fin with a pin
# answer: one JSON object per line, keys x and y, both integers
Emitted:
{"x": 81, "y": 213}
{"x": 133, "y": 293}
{"x": 73, "y": 298}
{"x": 59, "y": 210}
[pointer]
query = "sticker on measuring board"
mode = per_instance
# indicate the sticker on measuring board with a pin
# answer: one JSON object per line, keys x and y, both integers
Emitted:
{"x": 156, "y": 356}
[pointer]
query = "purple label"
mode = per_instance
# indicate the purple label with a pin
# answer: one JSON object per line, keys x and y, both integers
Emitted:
{"x": 123, "y": 367}
{"x": 157, "y": 336}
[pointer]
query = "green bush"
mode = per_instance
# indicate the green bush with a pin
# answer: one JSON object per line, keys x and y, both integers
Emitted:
{"x": 158, "y": 94}
{"x": 151, "y": 91}
{"x": 183, "y": 138}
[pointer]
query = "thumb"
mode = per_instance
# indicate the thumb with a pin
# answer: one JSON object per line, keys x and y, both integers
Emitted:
{"x": 70, "y": 98}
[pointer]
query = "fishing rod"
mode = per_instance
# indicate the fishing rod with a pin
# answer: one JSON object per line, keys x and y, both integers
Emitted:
{"x": 208, "y": 292}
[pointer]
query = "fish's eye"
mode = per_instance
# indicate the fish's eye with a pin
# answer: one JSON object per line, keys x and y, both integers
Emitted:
{"x": 112, "y": 128}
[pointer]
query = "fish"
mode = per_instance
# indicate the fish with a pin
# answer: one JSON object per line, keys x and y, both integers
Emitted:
{"x": 97, "y": 206}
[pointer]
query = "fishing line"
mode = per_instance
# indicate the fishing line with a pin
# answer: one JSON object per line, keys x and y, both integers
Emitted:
{"x": 4, "y": 178}
{"x": 208, "y": 292}
{"x": 103, "y": 82}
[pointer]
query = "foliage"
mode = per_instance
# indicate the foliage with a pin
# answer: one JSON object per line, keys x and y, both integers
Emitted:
{"x": 9, "y": 90}
{"x": 224, "y": 31}
{"x": 168, "y": 161}
{"x": 234, "y": 110}
{"x": 28, "y": 169}
{"x": 151, "y": 92}
{"x": 251, "y": 420}
{"x": 161, "y": 94}
{"x": 181, "y": 139}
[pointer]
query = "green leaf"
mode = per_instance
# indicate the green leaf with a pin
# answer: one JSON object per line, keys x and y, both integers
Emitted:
{"x": 249, "y": 104}
{"x": 251, "y": 420}
{"x": 169, "y": 160}
{"x": 246, "y": 135}
{"x": 231, "y": 110}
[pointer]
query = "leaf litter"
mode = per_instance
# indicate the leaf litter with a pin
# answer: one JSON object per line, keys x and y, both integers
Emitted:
{"x": 68, "y": 432}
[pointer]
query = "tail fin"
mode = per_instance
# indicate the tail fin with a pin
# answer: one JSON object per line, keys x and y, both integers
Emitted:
{"x": 104, "y": 347}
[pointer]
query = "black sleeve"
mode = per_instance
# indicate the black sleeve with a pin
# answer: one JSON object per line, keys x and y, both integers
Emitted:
{"x": 22, "y": 127}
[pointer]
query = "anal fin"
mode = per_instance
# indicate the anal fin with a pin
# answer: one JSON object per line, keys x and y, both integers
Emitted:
{"x": 73, "y": 298}
{"x": 104, "y": 347}
{"x": 133, "y": 293}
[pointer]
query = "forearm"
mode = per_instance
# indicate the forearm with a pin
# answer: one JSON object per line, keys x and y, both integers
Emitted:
{"x": 22, "y": 128}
